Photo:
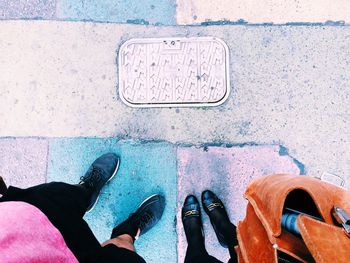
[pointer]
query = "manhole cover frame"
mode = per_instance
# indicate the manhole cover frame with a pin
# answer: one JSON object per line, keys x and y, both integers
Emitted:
{"x": 175, "y": 104}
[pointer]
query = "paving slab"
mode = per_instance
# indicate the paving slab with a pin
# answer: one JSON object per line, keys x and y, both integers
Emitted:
{"x": 226, "y": 171}
{"x": 289, "y": 86}
{"x": 270, "y": 11}
{"x": 138, "y": 12}
{"x": 146, "y": 168}
{"x": 23, "y": 161}
{"x": 29, "y": 9}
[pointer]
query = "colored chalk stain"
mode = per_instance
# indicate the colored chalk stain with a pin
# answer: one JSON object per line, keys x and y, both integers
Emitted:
{"x": 145, "y": 169}
{"x": 154, "y": 12}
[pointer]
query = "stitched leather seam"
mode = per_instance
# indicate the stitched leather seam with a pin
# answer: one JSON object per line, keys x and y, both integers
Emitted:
{"x": 262, "y": 220}
{"x": 241, "y": 243}
{"x": 292, "y": 254}
{"x": 301, "y": 224}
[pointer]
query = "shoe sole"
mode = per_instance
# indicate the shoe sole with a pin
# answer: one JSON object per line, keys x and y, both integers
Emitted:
{"x": 115, "y": 171}
{"x": 98, "y": 197}
{"x": 146, "y": 200}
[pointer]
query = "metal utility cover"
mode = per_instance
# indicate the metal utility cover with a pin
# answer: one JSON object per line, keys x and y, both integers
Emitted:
{"x": 174, "y": 72}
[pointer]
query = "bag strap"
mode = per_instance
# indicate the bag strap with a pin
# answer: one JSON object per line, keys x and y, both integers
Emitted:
{"x": 326, "y": 243}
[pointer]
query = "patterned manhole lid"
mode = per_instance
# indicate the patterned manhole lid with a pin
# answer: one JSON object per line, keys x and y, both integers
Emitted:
{"x": 158, "y": 72}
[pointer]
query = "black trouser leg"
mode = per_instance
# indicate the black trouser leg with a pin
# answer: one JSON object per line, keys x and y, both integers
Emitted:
{"x": 67, "y": 197}
{"x": 233, "y": 255}
{"x": 196, "y": 253}
{"x": 64, "y": 198}
{"x": 114, "y": 254}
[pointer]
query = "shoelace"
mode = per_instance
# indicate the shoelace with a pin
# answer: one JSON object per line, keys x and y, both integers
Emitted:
{"x": 92, "y": 178}
{"x": 145, "y": 220}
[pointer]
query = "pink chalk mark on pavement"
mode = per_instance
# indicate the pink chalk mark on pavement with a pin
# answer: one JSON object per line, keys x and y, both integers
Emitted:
{"x": 227, "y": 172}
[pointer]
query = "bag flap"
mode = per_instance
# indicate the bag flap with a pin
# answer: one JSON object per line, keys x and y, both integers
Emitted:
{"x": 293, "y": 246}
{"x": 267, "y": 195}
{"x": 326, "y": 243}
{"x": 253, "y": 241}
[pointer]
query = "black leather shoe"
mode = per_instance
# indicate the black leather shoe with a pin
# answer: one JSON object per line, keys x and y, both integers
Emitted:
{"x": 146, "y": 216}
{"x": 224, "y": 229}
{"x": 191, "y": 220}
{"x": 102, "y": 170}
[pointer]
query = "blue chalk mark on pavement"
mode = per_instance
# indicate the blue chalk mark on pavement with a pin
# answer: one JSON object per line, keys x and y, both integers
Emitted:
{"x": 149, "y": 11}
{"x": 146, "y": 168}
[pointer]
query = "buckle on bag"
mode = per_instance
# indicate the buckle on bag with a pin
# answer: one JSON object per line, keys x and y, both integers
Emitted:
{"x": 342, "y": 218}
{"x": 333, "y": 179}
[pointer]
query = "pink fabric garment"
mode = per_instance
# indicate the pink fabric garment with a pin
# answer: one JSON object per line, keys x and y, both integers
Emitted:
{"x": 27, "y": 236}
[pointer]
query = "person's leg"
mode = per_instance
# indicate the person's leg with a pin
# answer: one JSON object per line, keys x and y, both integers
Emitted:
{"x": 120, "y": 248}
{"x": 202, "y": 258}
{"x": 112, "y": 253}
{"x": 224, "y": 229}
{"x": 233, "y": 255}
{"x": 199, "y": 256}
{"x": 65, "y": 204}
{"x": 143, "y": 219}
{"x": 192, "y": 222}
{"x": 76, "y": 199}
{"x": 123, "y": 241}
{"x": 66, "y": 197}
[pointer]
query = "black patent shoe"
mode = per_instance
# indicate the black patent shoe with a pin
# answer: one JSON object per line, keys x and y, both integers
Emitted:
{"x": 191, "y": 219}
{"x": 146, "y": 216}
{"x": 101, "y": 171}
{"x": 224, "y": 229}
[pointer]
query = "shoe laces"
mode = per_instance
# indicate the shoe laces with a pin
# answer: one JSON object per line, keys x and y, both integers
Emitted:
{"x": 92, "y": 178}
{"x": 145, "y": 219}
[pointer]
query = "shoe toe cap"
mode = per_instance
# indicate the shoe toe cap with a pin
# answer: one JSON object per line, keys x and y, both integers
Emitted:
{"x": 191, "y": 203}
{"x": 112, "y": 158}
{"x": 191, "y": 200}
{"x": 207, "y": 194}
{"x": 108, "y": 162}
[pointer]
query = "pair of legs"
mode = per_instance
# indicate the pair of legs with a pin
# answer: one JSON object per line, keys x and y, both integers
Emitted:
{"x": 65, "y": 206}
{"x": 224, "y": 229}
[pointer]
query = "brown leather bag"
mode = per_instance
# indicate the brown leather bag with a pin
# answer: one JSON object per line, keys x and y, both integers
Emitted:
{"x": 261, "y": 237}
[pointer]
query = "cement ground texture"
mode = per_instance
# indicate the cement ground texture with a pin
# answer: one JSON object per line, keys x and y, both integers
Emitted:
{"x": 287, "y": 112}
